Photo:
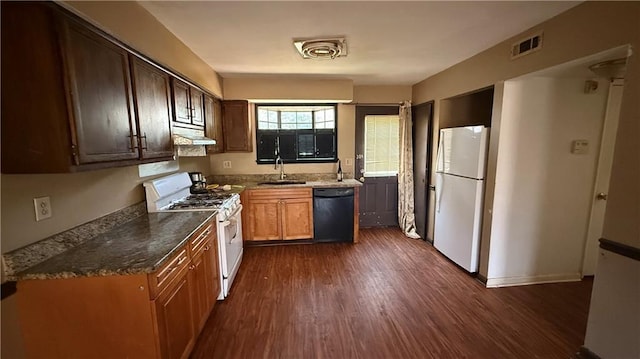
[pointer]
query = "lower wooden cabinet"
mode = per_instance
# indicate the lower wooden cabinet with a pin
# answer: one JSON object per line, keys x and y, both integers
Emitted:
{"x": 297, "y": 218}
{"x": 265, "y": 220}
{"x": 156, "y": 315}
{"x": 206, "y": 286}
{"x": 173, "y": 312}
{"x": 280, "y": 214}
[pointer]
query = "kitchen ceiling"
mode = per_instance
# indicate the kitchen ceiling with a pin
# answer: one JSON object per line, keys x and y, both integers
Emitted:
{"x": 389, "y": 42}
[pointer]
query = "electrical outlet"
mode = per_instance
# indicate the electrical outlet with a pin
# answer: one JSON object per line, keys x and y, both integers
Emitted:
{"x": 226, "y": 164}
{"x": 42, "y": 206}
{"x": 348, "y": 162}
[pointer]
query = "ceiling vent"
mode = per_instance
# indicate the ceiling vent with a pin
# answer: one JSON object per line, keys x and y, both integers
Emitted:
{"x": 527, "y": 46}
{"x": 329, "y": 48}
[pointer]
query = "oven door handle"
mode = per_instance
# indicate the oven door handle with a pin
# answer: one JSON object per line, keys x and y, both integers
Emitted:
{"x": 235, "y": 236}
{"x": 236, "y": 212}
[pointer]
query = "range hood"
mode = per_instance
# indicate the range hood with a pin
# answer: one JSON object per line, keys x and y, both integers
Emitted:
{"x": 184, "y": 139}
{"x": 190, "y": 142}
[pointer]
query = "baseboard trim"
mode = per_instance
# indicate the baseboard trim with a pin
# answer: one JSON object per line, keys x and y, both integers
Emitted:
{"x": 527, "y": 280}
{"x": 481, "y": 278}
{"x": 8, "y": 289}
{"x": 585, "y": 353}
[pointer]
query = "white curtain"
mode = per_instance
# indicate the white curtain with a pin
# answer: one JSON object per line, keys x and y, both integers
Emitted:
{"x": 406, "y": 214}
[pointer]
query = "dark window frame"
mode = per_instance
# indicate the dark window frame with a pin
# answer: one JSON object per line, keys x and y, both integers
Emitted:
{"x": 262, "y": 158}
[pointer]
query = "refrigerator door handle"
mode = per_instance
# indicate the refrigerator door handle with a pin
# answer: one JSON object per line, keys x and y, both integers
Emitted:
{"x": 440, "y": 154}
{"x": 439, "y": 185}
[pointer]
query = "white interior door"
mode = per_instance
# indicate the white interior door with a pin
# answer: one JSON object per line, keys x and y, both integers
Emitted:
{"x": 601, "y": 187}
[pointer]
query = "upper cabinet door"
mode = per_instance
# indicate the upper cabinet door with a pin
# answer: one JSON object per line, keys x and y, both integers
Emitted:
{"x": 213, "y": 123}
{"x": 99, "y": 82}
{"x": 219, "y": 131}
{"x": 236, "y": 126}
{"x": 153, "y": 105}
{"x": 197, "y": 107}
{"x": 181, "y": 101}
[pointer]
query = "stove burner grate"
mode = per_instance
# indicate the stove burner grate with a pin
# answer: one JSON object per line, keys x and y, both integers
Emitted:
{"x": 204, "y": 200}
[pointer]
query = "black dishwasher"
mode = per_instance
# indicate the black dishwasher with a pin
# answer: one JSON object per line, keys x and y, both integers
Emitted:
{"x": 333, "y": 214}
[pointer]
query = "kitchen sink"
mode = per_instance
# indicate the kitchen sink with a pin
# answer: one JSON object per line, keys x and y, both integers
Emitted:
{"x": 281, "y": 182}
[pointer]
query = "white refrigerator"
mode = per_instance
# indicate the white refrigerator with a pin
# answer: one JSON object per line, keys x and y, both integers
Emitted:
{"x": 460, "y": 174}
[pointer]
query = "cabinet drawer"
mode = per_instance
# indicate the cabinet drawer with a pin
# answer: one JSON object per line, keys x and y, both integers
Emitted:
{"x": 280, "y": 193}
{"x": 168, "y": 273}
{"x": 198, "y": 240}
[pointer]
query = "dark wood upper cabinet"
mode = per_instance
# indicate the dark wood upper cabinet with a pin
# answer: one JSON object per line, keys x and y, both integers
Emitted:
{"x": 213, "y": 123}
{"x": 100, "y": 93}
{"x": 35, "y": 121}
{"x": 181, "y": 101}
{"x": 188, "y": 104}
{"x": 152, "y": 94}
{"x": 236, "y": 125}
{"x": 197, "y": 109}
{"x": 68, "y": 96}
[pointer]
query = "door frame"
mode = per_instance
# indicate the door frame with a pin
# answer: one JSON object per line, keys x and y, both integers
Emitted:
{"x": 427, "y": 164}
{"x": 361, "y": 112}
{"x": 602, "y": 177}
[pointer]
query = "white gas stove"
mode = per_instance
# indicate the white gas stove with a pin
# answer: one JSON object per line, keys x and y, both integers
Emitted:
{"x": 171, "y": 194}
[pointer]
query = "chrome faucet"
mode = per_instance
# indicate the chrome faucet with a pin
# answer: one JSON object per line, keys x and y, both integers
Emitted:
{"x": 282, "y": 175}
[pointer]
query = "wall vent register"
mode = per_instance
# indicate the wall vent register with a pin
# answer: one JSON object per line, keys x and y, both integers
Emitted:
{"x": 526, "y": 46}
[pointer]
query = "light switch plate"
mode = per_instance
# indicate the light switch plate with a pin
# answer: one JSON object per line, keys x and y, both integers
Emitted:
{"x": 42, "y": 206}
{"x": 348, "y": 162}
{"x": 226, "y": 164}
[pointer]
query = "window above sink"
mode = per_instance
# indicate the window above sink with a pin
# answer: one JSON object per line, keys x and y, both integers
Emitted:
{"x": 298, "y": 133}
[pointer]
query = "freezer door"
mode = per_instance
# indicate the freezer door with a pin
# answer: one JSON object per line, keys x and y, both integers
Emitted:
{"x": 458, "y": 219}
{"x": 462, "y": 151}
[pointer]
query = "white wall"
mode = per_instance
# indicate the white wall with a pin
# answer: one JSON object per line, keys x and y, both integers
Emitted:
{"x": 543, "y": 191}
{"x": 613, "y": 329}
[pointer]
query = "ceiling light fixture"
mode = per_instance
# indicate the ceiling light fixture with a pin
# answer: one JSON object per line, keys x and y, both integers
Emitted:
{"x": 329, "y": 48}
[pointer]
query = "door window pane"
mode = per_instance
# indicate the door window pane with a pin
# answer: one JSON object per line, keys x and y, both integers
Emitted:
{"x": 382, "y": 145}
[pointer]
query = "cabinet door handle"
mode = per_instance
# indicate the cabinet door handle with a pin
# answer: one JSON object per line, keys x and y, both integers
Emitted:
{"x": 178, "y": 264}
{"x": 192, "y": 267}
{"x": 207, "y": 248}
{"x": 131, "y": 144}
{"x": 202, "y": 235}
{"x": 144, "y": 137}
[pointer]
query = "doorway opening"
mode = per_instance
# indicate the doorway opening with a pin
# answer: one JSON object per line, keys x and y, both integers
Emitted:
{"x": 544, "y": 187}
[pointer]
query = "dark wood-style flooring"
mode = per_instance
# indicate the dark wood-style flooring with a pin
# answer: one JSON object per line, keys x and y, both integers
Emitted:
{"x": 386, "y": 297}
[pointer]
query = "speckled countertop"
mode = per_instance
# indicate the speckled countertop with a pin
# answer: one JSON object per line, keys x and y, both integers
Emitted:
{"x": 138, "y": 246}
{"x": 253, "y": 181}
{"x": 312, "y": 184}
